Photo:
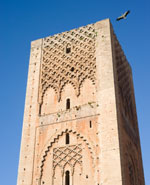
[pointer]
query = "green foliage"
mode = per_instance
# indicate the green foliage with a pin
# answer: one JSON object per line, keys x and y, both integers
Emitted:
{"x": 58, "y": 114}
{"x": 90, "y": 103}
{"x": 78, "y": 107}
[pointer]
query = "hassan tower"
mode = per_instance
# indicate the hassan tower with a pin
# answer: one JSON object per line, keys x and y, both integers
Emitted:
{"x": 80, "y": 123}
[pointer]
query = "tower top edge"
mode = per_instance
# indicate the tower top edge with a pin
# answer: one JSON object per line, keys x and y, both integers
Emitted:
{"x": 38, "y": 42}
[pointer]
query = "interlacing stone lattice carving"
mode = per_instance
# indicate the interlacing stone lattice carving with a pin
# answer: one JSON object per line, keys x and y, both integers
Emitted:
{"x": 124, "y": 80}
{"x": 132, "y": 166}
{"x": 70, "y": 155}
{"x": 68, "y": 57}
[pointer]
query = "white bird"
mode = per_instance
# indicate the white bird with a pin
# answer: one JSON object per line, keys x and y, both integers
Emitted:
{"x": 123, "y": 16}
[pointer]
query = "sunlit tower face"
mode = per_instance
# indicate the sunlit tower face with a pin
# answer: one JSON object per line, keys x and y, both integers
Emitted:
{"x": 80, "y": 117}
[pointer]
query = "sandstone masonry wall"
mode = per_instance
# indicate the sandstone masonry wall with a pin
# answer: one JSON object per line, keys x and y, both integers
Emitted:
{"x": 80, "y": 124}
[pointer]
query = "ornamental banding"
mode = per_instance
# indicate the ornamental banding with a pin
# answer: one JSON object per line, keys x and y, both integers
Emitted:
{"x": 68, "y": 57}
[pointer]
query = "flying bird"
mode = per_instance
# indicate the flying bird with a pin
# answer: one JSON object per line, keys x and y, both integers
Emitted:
{"x": 123, "y": 16}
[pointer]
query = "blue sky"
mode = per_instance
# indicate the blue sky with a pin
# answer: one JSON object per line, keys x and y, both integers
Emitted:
{"x": 24, "y": 21}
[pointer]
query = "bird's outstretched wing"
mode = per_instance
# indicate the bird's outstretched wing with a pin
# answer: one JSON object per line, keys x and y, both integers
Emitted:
{"x": 126, "y": 13}
{"x": 121, "y": 17}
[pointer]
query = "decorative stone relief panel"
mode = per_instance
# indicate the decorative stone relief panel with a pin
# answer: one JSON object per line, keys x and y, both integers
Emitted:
{"x": 51, "y": 105}
{"x": 70, "y": 154}
{"x": 124, "y": 82}
{"x": 75, "y": 157}
{"x": 68, "y": 57}
{"x": 132, "y": 167}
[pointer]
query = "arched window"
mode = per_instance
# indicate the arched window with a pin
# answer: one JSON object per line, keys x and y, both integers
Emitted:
{"x": 67, "y": 139}
{"x": 90, "y": 123}
{"x": 68, "y": 104}
{"x": 40, "y": 107}
{"x": 67, "y": 178}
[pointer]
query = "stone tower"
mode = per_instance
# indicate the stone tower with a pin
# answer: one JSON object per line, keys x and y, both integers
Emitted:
{"x": 80, "y": 124}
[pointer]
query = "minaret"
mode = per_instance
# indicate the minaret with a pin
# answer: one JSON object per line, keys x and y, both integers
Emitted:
{"x": 80, "y": 123}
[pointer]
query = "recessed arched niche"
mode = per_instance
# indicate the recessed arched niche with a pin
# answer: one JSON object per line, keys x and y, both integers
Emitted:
{"x": 50, "y": 103}
{"x": 87, "y": 92}
{"x": 58, "y": 173}
{"x": 69, "y": 164}
{"x": 69, "y": 97}
{"x": 78, "y": 177}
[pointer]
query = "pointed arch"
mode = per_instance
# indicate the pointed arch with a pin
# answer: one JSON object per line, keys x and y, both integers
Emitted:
{"x": 50, "y": 143}
{"x": 49, "y": 102}
{"x": 77, "y": 174}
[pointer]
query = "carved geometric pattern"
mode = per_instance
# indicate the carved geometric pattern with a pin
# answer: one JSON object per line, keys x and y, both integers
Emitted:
{"x": 48, "y": 148}
{"x": 60, "y": 67}
{"x": 70, "y": 154}
{"x": 124, "y": 80}
{"x": 132, "y": 164}
{"x": 131, "y": 172}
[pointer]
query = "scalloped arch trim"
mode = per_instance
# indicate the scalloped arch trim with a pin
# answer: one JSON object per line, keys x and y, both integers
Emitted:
{"x": 52, "y": 141}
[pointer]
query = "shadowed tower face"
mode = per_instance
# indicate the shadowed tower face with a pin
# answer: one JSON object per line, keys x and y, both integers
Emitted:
{"x": 80, "y": 124}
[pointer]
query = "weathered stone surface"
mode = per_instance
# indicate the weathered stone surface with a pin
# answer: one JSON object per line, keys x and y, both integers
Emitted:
{"x": 80, "y": 124}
